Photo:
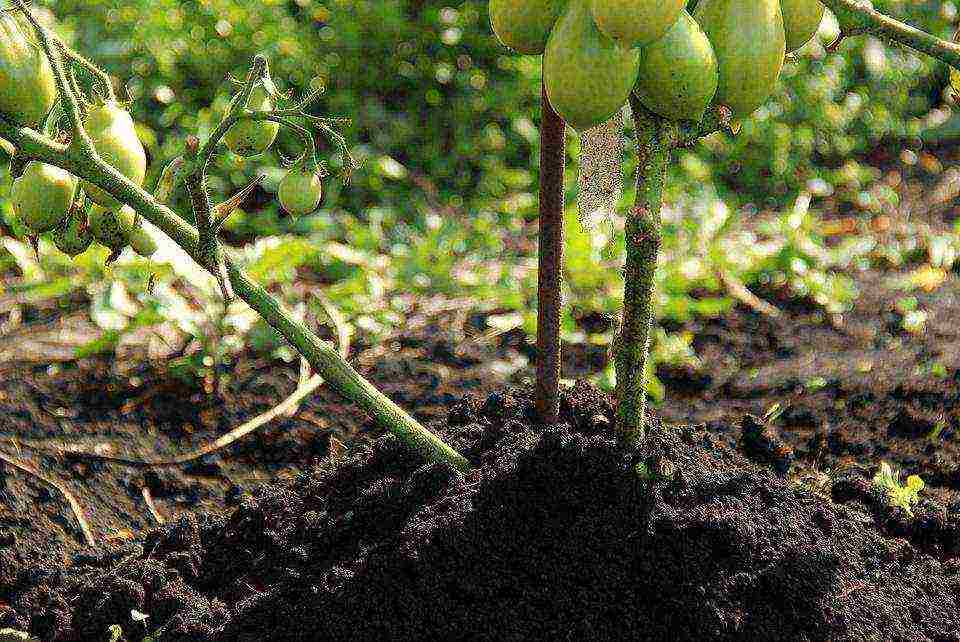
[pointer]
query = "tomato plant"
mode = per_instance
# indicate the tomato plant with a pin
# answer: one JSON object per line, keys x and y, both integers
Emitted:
{"x": 104, "y": 153}
{"x": 687, "y": 72}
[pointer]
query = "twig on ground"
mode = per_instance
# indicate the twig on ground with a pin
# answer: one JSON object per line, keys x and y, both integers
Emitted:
{"x": 237, "y": 433}
{"x": 148, "y": 498}
{"x": 74, "y": 504}
{"x": 739, "y": 291}
{"x": 288, "y": 406}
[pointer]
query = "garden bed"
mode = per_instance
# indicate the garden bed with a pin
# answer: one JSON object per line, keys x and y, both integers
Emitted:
{"x": 552, "y": 534}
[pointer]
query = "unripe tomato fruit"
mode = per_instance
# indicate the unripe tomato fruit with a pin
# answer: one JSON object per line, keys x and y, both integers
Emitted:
{"x": 251, "y": 137}
{"x": 115, "y": 139}
{"x": 27, "y": 86}
{"x": 112, "y": 228}
{"x": 42, "y": 196}
{"x": 73, "y": 236}
{"x": 141, "y": 242}
{"x": 300, "y": 191}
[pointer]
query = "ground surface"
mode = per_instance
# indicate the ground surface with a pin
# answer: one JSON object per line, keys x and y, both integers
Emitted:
{"x": 835, "y": 411}
{"x": 781, "y": 561}
{"x": 553, "y": 534}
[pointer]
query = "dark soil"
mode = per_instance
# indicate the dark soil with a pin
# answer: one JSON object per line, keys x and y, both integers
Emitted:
{"x": 856, "y": 390}
{"x": 746, "y": 528}
{"x": 553, "y": 535}
{"x": 728, "y": 548}
{"x": 145, "y": 412}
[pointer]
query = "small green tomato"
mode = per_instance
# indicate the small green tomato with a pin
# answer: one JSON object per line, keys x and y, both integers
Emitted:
{"x": 252, "y": 137}
{"x": 111, "y": 228}
{"x": 73, "y": 236}
{"x": 141, "y": 242}
{"x": 300, "y": 191}
{"x": 42, "y": 196}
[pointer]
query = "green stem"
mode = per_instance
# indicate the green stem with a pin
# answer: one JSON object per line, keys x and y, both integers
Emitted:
{"x": 93, "y": 70}
{"x": 643, "y": 238}
{"x": 856, "y": 17}
{"x": 322, "y": 356}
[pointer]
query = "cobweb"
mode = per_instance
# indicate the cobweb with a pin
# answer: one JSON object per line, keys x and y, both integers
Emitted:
{"x": 601, "y": 180}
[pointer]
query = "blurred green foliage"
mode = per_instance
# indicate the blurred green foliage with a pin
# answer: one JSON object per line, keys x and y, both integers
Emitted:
{"x": 445, "y": 121}
{"x": 445, "y": 116}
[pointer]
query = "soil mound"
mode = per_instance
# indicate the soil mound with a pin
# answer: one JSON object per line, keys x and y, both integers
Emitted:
{"x": 558, "y": 533}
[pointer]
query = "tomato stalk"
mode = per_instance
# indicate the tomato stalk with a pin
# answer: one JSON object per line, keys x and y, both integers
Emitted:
{"x": 643, "y": 239}
{"x": 550, "y": 272}
{"x": 80, "y": 159}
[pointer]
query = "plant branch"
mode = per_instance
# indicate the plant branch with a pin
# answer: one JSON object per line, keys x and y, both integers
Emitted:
{"x": 859, "y": 16}
{"x": 210, "y": 252}
{"x": 321, "y": 354}
{"x": 550, "y": 271}
{"x": 91, "y": 68}
{"x": 258, "y": 71}
{"x": 53, "y": 49}
{"x": 643, "y": 239}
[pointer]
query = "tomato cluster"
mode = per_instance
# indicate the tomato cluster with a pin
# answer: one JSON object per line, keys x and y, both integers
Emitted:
{"x": 678, "y": 62}
{"x": 74, "y": 213}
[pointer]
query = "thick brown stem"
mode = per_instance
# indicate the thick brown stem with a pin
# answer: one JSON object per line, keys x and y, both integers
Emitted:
{"x": 552, "y": 161}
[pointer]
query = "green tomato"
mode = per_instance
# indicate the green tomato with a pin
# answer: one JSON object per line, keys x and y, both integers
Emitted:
{"x": 141, "y": 242}
{"x": 749, "y": 42}
{"x": 801, "y": 21}
{"x": 252, "y": 137}
{"x": 524, "y": 25}
{"x": 300, "y": 191}
{"x": 27, "y": 87}
{"x": 42, "y": 196}
{"x": 587, "y": 75}
{"x": 112, "y": 228}
{"x": 73, "y": 236}
{"x": 635, "y": 24}
{"x": 113, "y": 134}
{"x": 678, "y": 73}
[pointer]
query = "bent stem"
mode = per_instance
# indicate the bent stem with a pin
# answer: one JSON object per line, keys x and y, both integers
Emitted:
{"x": 81, "y": 160}
{"x": 549, "y": 274}
{"x": 643, "y": 238}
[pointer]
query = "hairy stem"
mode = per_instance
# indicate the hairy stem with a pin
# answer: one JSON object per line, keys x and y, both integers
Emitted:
{"x": 321, "y": 355}
{"x": 857, "y": 16}
{"x": 643, "y": 238}
{"x": 550, "y": 275}
{"x": 93, "y": 70}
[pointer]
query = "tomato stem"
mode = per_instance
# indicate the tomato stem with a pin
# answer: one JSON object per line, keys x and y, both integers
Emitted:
{"x": 550, "y": 275}
{"x": 80, "y": 159}
{"x": 643, "y": 239}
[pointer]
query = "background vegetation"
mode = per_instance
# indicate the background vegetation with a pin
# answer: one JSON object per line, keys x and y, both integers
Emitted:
{"x": 445, "y": 121}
